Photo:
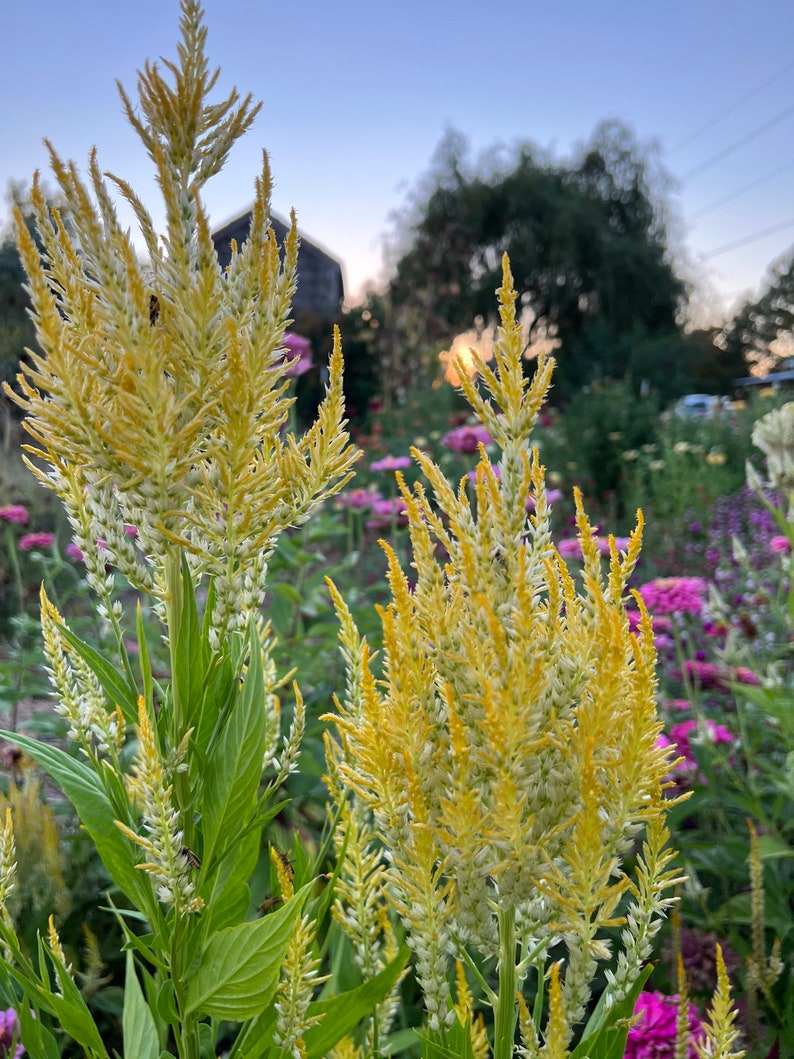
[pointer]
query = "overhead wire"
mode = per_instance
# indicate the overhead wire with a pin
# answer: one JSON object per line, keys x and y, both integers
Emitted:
{"x": 752, "y": 238}
{"x": 717, "y": 118}
{"x": 738, "y": 192}
{"x": 732, "y": 147}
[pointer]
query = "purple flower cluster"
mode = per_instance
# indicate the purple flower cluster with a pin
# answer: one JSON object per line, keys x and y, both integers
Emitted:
{"x": 9, "y": 1032}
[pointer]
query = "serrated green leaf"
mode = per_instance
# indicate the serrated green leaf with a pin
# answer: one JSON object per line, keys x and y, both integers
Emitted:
{"x": 140, "y": 1032}
{"x": 239, "y": 969}
{"x": 343, "y": 1013}
{"x": 83, "y": 789}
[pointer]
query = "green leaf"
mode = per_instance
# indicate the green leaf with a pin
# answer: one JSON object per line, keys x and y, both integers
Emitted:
{"x": 37, "y": 1039}
{"x": 601, "y": 1038}
{"x": 239, "y": 969}
{"x": 84, "y": 790}
{"x": 456, "y": 1046}
{"x": 234, "y": 761}
{"x": 191, "y": 656}
{"x": 343, "y": 1013}
{"x": 113, "y": 683}
{"x": 69, "y": 1008}
{"x": 140, "y": 1032}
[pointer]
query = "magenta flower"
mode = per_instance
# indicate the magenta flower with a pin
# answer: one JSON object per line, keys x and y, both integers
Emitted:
{"x": 358, "y": 498}
{"x": 9, "y": 1029}
{"x": 703, "y": 675}
{"x": 569, "y": 548}
{"x": 653, "y": 1034}
{"x": 386, "y": 513}
{"x": 298, "y": 354}
{"x": 780, "y": 544}
{"x": 708, "y": 675}
{"x": 711, "y": 732}
{"x": 74, "y": 552}
{"x": 391, "y": 463}
{"x": 14, "y": 513}
{"x": 744, "y": 676}
{"x": 34, "y": 541}
{"x": 467, "y": 438}
{"x": 674, "y": 595}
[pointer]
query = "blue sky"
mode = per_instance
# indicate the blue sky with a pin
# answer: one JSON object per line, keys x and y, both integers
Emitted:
{"x": 357, "y": 95}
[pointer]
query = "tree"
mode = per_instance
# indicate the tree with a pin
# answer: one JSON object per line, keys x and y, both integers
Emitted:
{"x": 588, "y": 245}
{"x": 770, "y": 319}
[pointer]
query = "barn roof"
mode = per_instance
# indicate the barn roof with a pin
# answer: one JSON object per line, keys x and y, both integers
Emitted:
{"x": 320, "y": 283}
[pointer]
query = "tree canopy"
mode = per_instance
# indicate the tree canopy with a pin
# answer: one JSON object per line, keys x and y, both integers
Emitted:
{"x": 588, "y": 245}
{"x": 768, "y": 320}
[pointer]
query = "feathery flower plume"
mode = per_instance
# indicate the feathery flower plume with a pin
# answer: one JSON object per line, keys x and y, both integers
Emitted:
{"x": 161, "y": 389}
{"x": 509, "y": 757}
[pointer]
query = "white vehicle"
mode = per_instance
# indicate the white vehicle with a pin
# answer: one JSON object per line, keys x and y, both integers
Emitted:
{"x": 695, "y": 405}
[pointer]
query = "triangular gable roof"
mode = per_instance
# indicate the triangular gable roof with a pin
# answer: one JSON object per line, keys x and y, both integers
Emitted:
{"x": 320, "y": 282}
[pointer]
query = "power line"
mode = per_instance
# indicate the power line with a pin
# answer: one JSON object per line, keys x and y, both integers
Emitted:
{"x": 729, "y": 109}
{"x": 738, "y": 143}
{"x": 754, "y": 237}
{"x": 741, "y": 191}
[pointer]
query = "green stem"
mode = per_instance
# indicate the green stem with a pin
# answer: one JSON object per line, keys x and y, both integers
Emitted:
{"x": 13, "y": 561}
{"x": 505, "y": 1007}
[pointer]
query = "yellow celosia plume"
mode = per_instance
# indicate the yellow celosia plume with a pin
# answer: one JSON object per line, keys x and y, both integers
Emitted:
{"x": 509, "y": 753}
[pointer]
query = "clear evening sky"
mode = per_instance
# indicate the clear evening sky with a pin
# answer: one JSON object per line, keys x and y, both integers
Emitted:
{"x": 357, "y": 94}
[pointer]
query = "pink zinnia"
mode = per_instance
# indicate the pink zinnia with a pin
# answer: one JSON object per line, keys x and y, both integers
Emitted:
{"x": 391, "y": 463}
{"x": 674, "y": 595}
{"x": 14, "y": 513}
{"x": 467, "y": 438}
{"x": 653, "y": 1034}
{"x": 711, "y": 732}
{"x": 33, "y": 541}
{"x": 780, "y": 544}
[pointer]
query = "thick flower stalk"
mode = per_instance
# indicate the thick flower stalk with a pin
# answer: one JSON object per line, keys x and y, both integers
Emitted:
{"x": 509, "y": 754}
{"x": 160, "y": 394}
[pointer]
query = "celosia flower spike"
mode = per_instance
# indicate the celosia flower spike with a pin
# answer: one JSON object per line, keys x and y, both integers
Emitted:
{"x": 169, "y": 863}
{"x": 509, "y": 756}
{"x": 8, "y": 859}
{"x": 162, "y": 389}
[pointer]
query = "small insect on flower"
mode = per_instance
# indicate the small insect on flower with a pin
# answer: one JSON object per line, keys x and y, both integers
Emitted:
{"x": 154, "y": 309}
{"x": 284, "y": 861}
{"x": 190, "y": 857}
